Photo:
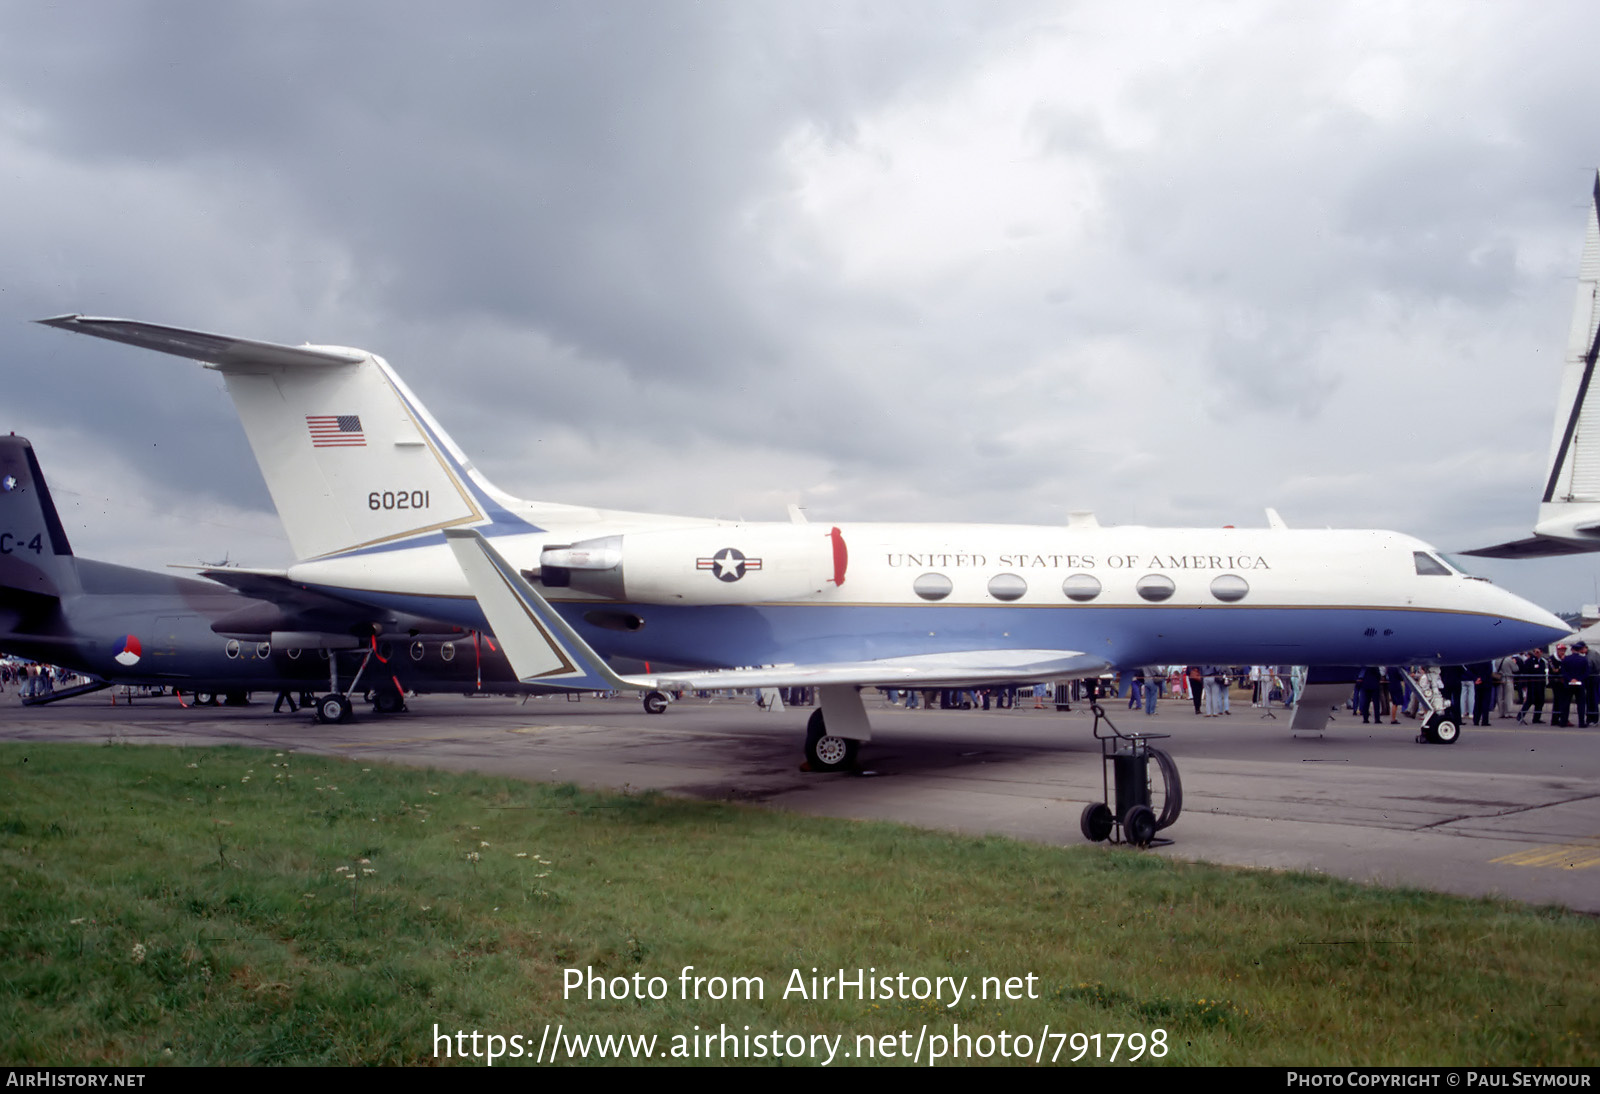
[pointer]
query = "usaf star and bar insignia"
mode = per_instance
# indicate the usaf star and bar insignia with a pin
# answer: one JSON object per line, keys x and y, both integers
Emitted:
{"x": 729, "y": 564}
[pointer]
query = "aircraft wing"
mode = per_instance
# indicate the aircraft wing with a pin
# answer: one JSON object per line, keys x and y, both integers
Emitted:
{"x": 543, "y": 648}
{"x": 215, "y": 349}
{"x": 963, "y": 669}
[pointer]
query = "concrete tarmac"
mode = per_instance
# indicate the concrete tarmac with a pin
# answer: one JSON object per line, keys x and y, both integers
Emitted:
{"x": 1509, "y": 811}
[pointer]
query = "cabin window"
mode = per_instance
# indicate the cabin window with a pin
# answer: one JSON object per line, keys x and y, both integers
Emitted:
{"x": 416, "y": 651}
{"x": 932, "y": 586}
{"x": 293, "y": 653}
{"x": 1428, "y": 566}
{"x": 1155, "y": 587}
{"x": 447, "y": 651}
{"x": 1081, "y": 587}
{"x": 1230, "y": 588}
{"x": 383, "y": 651}
{"x": 1007, "y": 587}
{"x": 263, "y": 650}
{"x": 232, "y": 648}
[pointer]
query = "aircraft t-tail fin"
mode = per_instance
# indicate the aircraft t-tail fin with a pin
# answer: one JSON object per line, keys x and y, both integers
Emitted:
{"x": 351, "y": 458}
{"x": 35, "y": 556}
{"x": 1575, "y": 443}
{"x": 1569, "y": 507}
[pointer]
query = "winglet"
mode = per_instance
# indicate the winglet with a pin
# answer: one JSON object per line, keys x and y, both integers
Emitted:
{"x": 541, "y": 646}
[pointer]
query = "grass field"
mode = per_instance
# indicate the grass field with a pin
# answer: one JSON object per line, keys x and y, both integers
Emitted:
{"x": 200, "y": 906}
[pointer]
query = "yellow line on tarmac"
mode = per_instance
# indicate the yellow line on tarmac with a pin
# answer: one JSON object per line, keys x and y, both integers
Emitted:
{"x": 1562, "y": 856}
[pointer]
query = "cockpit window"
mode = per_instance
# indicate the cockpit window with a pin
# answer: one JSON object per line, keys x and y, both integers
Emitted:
{"x": 1462, "y": 566}
{"x": 1428, "y": 566}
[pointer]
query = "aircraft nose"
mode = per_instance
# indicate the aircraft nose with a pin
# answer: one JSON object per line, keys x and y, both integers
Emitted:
{"x": 1545, "y": 627}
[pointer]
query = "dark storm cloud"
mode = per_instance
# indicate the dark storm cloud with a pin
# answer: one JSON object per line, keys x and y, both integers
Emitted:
{"x": 584, "y": 236}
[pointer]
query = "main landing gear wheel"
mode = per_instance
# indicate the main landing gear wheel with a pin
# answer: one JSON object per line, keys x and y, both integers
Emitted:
{"x": 1096, "y": 822}
{"x": 655, "y": 703}
{"x": 825, "y": 753}
{"x": 388, "y": 701}
{"x": 1441, "y": 729}
{"x": 205, "y": 698}
{"x": 333, "y": 708}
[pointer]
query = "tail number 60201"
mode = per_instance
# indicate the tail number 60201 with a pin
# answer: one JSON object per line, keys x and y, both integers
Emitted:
{"x": 397, "y": 499}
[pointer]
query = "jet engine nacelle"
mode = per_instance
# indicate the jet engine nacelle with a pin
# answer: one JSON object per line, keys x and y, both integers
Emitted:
{"x": 720, "y": 564}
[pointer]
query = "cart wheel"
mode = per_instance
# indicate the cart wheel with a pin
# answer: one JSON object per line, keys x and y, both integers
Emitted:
{"x": 1096, "y": 822}
{"x": 1139, "y": 826}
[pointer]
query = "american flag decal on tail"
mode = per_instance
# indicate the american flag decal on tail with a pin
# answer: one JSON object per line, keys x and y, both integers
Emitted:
{"x": 336, "y": 431}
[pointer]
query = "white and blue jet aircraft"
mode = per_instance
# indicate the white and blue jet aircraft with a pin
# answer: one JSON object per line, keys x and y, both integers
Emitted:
{"x": 371, "y": 489}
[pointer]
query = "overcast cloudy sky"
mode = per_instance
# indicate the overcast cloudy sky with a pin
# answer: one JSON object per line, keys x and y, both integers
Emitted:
{"x": 920, "y": 261}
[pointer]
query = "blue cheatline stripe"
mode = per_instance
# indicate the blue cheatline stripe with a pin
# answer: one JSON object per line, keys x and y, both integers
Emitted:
{"x": 726, "y": 636}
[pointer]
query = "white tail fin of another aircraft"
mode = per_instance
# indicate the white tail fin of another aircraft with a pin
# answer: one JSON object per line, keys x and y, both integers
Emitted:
{"x": 1575, "y": 443}
{"x": 1569, "y": 507}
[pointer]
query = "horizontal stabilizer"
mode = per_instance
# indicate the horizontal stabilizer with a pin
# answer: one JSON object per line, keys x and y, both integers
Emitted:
{"x": 214, "y": 349}
{"x": 1535, "y": 547}
{"x": 543, "y": 648}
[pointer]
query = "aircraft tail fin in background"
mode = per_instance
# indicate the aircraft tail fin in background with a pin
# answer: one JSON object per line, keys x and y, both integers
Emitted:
{"x": 352, "y": 458}
{"x": 1569, "y": 507}
{"x": 35, "y": 556}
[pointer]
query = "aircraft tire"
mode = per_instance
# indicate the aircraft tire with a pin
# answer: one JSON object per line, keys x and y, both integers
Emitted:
{"x": 1096, "y": 822}
{"x": 655, "y": 703}
{"x": 1442, "y": 729}
{"x": 205, "y": 698}
{"x": 388, "y": 701}
{"x": 825, "y": 753}
{"x": 333, "y": 708}
{"x": 1139, "y": 826}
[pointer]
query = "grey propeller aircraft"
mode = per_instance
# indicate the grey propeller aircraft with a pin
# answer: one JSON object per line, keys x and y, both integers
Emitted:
{"x": 124, "y": 625}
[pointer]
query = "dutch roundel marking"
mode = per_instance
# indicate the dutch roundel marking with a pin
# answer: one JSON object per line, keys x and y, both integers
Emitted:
{"x": 128, "y": 651}
{"x": 729, "y": 564}
{"x": 8, "y": 484}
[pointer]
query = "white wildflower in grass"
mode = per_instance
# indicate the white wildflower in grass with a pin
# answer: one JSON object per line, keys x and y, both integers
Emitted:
{"x": 191, "y": 765}
{"x": 483, "y": 843}
{"x": 522, "y": 854}
{"x": 80, "y": 919}
{"x": 138, "y": 953}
